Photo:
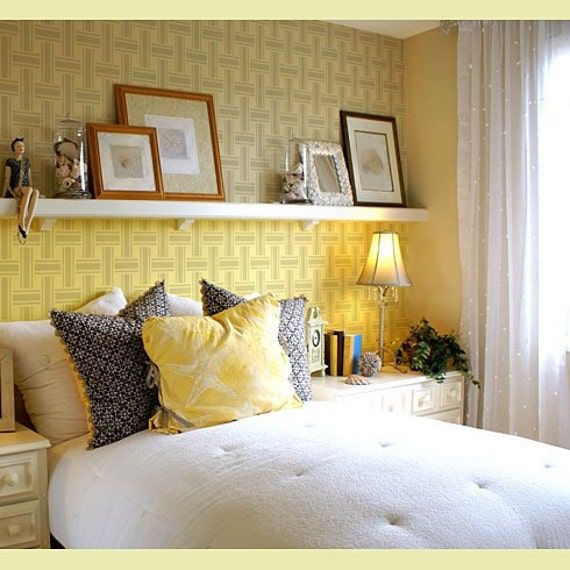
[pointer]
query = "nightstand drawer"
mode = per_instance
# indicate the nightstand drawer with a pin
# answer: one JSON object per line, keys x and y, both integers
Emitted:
{"x": 397, "y": 400}
{"x": 424, "y": 399}
{"x": 371, "y": 403}
{"x": 19, "y": 476}
{"x": 451, "y": 395}
{"x": 398, "y": 392}
{"x": 452, "y": 416}
{"x": 19, "y": 525}
{"x": 354, "y": 402}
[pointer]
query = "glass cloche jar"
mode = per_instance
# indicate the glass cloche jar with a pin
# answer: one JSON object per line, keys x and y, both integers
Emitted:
{"x": 71, "y": 160}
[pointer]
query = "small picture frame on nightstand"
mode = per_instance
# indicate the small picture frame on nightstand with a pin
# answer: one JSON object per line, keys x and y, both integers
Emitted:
{"x": 7, "y": 419}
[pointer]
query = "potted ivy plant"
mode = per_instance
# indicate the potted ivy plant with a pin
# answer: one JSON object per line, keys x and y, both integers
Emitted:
{"x": 426, "y": 351}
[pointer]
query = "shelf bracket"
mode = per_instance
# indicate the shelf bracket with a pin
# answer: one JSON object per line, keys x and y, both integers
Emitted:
{"x": 47, "y": 224}
{"x": 308, "y": 225}
{"x": 184, "y": 223}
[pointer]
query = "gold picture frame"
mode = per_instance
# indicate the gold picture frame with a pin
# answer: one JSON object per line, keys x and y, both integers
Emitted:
{"x": 7, "y": 416}
{"x": 124, "y": 162}
{"x": 187, "y": 138}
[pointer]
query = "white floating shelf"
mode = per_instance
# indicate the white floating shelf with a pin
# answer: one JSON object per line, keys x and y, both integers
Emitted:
{"x": 49, "y": 210}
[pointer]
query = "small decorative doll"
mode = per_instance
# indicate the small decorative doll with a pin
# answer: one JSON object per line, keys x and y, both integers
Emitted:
{"x": 18, "y": 184}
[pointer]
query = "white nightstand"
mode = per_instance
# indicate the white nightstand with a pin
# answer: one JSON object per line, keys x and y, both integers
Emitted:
{"x": 409, "y": 393}
{"x": 23, "y": 489}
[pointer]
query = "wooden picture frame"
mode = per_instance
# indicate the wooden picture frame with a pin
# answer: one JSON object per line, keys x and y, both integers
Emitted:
{"x": 124, "y": 162}
{"x": 373, "y": 158}
{"x": 326, "y": 175}
{"x": 7, "y": 415}
{"x": 187, "y": 138}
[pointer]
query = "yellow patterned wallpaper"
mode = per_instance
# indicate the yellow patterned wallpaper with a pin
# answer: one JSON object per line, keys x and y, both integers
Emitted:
{"x": 270, "y": 81}
{"x": 79, "y": 259}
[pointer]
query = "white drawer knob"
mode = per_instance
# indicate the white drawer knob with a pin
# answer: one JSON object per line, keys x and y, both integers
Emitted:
{"x": 422, "y": 400}
{"x": 14, "y": 530}
{"x": 453, "y": 392}
{"x": 391, "y": 408}
{"x": 11, "y": 479}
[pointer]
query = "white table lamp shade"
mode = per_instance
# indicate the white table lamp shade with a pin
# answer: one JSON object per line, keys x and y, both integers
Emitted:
{"x": 384, "y": 265}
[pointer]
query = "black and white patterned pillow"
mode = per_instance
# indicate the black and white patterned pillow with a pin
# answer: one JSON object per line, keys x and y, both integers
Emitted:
{"x": 152, "y": 303}
{"x": 215, "y": 299}
{"x": 108, "y": 357}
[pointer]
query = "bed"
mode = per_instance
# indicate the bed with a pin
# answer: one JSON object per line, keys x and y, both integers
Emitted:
{"x": 321, "y": 476}
{"x": 317, "y": 475}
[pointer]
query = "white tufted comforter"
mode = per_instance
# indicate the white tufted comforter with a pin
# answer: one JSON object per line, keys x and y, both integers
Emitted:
{"x": 318, "y": 477}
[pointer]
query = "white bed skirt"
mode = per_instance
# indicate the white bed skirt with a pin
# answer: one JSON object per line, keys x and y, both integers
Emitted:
{"x": 318, "y": 477}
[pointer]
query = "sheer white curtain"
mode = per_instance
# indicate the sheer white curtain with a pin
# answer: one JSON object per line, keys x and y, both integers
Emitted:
{"x": 554, "y": 233}
{"x": 514, "y": 221}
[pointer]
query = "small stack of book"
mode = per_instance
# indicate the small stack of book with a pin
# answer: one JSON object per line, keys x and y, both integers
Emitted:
{"x": 341, "y": 352}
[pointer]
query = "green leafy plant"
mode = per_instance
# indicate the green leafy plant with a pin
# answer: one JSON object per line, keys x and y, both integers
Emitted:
{"x": 426, "y": 351}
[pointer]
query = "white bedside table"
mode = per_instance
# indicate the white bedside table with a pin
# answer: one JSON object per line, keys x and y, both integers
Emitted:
{"x": 23, "y": 489}
{"x": 397, "y": 392}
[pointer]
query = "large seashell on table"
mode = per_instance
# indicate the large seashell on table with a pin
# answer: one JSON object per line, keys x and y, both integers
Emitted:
{"x": 358, "y": 380}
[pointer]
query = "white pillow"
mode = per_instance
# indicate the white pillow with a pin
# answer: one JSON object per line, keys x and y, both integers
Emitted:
{"x": 252, "y": 295}
{"x": 108, "y": 304}
{"x": 43, "y": 375}
{"x": 184, "y": 307}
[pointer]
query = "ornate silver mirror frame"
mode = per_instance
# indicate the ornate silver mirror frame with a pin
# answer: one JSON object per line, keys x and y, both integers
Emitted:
{"x": 326, "y": 175}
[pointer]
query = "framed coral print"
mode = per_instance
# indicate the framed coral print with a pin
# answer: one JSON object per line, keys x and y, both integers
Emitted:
{"x": 124, "y": 162}
{"x": 6, "y": 391}
{"x": 187, "y": 138}
{"x": 325, "y": 173}
{"x": 373, "y": 156}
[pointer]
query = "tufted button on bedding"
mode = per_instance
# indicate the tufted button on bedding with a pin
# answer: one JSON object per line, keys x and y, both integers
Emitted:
{"x": 383, "y": 444}
{"x": 393, "y": 520}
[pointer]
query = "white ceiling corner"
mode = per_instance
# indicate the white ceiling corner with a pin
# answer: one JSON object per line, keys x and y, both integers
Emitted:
{"x": 401, "y": 29}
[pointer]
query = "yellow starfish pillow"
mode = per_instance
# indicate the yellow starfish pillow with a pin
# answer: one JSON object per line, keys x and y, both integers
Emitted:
{"x": 217, "y": 369}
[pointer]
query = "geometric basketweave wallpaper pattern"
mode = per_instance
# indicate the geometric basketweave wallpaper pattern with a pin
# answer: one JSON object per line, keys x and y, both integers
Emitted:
{"x": 79, "y": 259}
{"x": 271, "y": 81}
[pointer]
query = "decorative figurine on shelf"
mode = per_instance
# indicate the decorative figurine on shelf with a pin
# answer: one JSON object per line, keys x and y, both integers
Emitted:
{"x": 18, "y": 185}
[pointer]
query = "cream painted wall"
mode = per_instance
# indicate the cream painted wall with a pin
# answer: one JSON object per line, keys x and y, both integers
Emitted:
{"x": 431, "y": 139}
